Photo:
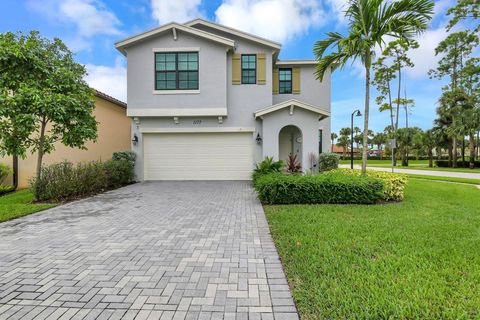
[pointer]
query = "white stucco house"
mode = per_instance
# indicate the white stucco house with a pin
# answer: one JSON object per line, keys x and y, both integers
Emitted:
{"x": 207, "y": 102}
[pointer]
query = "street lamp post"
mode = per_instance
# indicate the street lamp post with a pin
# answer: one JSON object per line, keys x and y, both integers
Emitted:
{"x": 357, "y": 114}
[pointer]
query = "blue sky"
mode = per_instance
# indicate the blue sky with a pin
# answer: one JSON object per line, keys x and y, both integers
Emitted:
{"x": 90, "y": 27}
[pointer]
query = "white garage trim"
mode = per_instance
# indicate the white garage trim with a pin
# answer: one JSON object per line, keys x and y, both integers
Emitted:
{"x": 198, "y": 155}
{"x": 199, "y": 130}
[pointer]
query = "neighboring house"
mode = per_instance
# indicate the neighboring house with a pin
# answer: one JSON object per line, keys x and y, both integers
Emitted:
{"x": 207, "y": 102}
{"x": 113, "y": 135}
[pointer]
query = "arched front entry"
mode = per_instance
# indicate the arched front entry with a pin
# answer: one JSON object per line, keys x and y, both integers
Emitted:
{"x": 290, "y": 140}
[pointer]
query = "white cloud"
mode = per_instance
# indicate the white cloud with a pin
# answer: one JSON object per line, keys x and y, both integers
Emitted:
{"x": 424, "y": 57}
{"x": 165, "y": 11}
{"x": 90, "y": 17}
{"x": 110, "y": 80}
{"x": 278, "y": 20}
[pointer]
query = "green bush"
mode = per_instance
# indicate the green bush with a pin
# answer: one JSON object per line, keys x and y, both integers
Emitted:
{"x": 65, "y": 181}
{"x": 460, "y": 164}
{"x": 329, "y": 187}
{"x": 5, "y": 189}
{"x": 393, "y": 183}
{"x": 124, "y": 155}
{"x": 265, "y": 167}
{"x": 328, "y": 161}
{"x": 4, "y": 171}
{"x": 119, "y": 173}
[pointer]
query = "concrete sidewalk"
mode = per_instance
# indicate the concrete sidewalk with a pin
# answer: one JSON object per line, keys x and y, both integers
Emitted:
{"x": 421, "y": 172}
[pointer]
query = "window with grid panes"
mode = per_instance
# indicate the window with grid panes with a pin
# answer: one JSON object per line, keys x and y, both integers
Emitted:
{"x": 176, "y": 70}
{"x": 249, "y": 68}
{"x": 285, "y": 80}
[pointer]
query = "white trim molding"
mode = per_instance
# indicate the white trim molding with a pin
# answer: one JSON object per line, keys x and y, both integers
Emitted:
{"x": 177, "y": 112}
{"x": 197, "y": 129}
{"x": 121, "y": 45}
{"x": 175, "y": 91}
{"x": 295, "y": 62}
{"x": 180, "y": 49}
{"x": 290, "y": 104}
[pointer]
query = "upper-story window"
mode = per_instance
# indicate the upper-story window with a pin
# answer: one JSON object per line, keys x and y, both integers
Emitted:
{"x": 176, "y": 70}
{"x": 285, "y": 80}
{"x": 249, "y": 68}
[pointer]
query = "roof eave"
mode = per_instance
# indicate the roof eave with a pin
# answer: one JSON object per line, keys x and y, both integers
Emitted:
{"x": 122, "y": 44}
{"x": 239, "y": 33}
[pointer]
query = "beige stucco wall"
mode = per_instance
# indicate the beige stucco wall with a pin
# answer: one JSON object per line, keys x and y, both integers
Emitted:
{"x": 113, "y": 135}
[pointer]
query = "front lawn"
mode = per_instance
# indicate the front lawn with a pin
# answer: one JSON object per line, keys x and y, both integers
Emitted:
{"x": 417, "y": 259}
{"x": 19, "y": 204}
{"x": 413, "y": 164}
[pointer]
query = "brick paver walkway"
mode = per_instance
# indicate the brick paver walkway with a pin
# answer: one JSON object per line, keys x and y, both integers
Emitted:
{"x": 163, "y": 250}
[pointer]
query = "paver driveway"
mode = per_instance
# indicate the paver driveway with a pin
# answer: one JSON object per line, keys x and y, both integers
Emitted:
{"x": 163, "y": 250}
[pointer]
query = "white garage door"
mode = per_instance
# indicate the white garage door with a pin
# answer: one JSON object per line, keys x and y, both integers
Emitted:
{"x": 198, "y": 156}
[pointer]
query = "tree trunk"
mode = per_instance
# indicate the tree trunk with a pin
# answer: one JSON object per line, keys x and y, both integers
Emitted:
{"x": 455, "y": 152}
{"x": 366, "y": 112}
{"x": 392, "y": 123}
{"x": 450, "y": 153}
{"x": 439, "y": 153}
{"x": 472, "y": 150}
{"x": 430, "y": 158}
{"x": 41, "y": 148}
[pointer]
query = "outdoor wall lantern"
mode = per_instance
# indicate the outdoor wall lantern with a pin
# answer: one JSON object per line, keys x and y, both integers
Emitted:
{"x": 258, "y": 139}
{"x": 135, "y": 139}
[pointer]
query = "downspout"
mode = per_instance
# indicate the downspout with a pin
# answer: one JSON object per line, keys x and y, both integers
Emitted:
{"x": 15, "y": 172}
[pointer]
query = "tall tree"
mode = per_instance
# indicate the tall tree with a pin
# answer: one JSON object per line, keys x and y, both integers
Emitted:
{"x": 370, "y": 23}
{"x": 388, "y": 68}
{"x": 465, "y": 9}
{"x": 50, "y": 102}
{"x": 380, "y": 139}
{"x": 456, "y": 49}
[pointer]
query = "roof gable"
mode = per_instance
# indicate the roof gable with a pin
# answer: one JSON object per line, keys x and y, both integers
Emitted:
{"x": 238, "y": 33}
{"x": 292, "y": 103}
{"x": 121, "y": 45}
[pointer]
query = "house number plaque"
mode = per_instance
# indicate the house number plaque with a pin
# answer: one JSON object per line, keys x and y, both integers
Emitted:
{"x": 197, "y": 121}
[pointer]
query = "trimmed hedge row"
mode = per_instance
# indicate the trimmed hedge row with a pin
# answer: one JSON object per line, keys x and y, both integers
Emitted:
{"x": 460, "y": 164}
{"x": 329, "y": 187}
{"x": 393, "y": 183}
{"x": 66, "y": 181}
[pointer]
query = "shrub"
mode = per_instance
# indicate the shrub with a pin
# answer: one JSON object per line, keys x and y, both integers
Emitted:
{"x": 329, "y": 187}
{"x": 393, "y": 183}
{"x": 4, "y": 171}
{"x": 124, "y": 155}
{"x": 65, "y": 181}
{"x": 460, "y": 164}
{"x": 328, "y": 161}
{"x": 265, "y": 167}
{"x": 5, "y": 189}
{"x": 119, "y": 173}
{"x": 293, "y": 165}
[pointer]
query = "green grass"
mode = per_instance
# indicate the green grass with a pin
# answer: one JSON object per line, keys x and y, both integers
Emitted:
{"x": 413, "y": 164}
{"x": 447, "y": 179}
{"x": 412, "y": 260}
{"x": 19, "y": 204}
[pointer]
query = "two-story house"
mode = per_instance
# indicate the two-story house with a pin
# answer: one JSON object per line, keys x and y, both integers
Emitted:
{"x": 207, "y": 102}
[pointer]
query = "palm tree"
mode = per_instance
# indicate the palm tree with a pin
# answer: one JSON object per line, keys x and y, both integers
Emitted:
{"x": 429, "y": 141}
{"x": 370, "y": 23}
{"x": 344, "y": 142}
{"x": 333, "y": 136}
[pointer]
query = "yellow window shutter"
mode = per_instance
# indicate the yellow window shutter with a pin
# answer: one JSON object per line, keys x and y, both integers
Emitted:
{"x": 275, "y": 81}
{"x": 261, "y": 68}
{"x": 236, "y": 69}
{"x": 296, "y": 80}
